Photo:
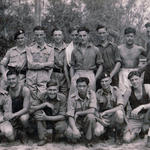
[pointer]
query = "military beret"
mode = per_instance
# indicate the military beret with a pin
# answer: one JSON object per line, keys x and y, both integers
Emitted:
{"x": 18, "y": 33}
{"x": 105, "y": 75}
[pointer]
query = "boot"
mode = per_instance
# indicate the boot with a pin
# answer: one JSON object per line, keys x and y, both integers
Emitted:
{"x": 148, "y": 142}
{"x": 119, "y": 137}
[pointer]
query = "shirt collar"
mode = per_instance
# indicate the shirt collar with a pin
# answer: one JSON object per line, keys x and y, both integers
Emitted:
{"x": 43, "y": 47}
{"x": 60, "y": 48}
{"x": 56, "y": 99}
{"x": 104, "y": 46}
{"x": 105, "y": 93}
{"x": 89, "y": 45}
{"x": 20, "y": 51}
{"x": 77, "y": 97}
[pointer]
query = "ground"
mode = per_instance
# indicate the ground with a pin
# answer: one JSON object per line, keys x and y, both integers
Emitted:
{"x": 107, "y": 145}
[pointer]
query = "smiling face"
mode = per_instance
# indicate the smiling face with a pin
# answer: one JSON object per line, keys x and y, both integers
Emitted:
{"x": 82, "y": 88}
{"x": 103, "y": 34}
{"x": 52, "y": 91}
{"x": 58, "y": 36}
{"x": 83, "y": 37}
{"x": 20, "y": 40}
{"x": 136, "y": 81}
{"x": 12, "y": 80}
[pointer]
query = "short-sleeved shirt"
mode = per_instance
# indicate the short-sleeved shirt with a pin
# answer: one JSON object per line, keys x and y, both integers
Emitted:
{"x": 76, "y": 103}
{"x": 59, "y": 56}
{"x": 108, "y": 100}
{"x": 88, "y": 61}
{"x": 15, "y": 57}
{"x": 5, "y": 102}
{"x": 59, "y": 103}
{"x": 110, "y": 54}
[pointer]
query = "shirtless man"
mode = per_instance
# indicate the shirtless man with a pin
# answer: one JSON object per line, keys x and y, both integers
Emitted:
{"x": 130, "y": 53}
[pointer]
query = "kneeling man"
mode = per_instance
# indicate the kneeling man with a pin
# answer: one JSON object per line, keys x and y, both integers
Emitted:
{"x": 81, "y": 109}
{"x": 138, "y": 98}
{"x": 110, "y": 108}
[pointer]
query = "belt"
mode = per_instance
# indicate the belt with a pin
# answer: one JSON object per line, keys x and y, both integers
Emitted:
{"x": 58, "y": 70}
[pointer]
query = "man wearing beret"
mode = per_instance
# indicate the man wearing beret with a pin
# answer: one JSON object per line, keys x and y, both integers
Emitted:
{"x": 110, "y": 108}
{"x": 15, "y": 58}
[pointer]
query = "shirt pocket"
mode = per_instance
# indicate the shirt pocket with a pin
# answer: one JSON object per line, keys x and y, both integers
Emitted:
{"x": 14, "y": 58}
{"x": 36, "y": 56}
{"x": 45, "y": 56}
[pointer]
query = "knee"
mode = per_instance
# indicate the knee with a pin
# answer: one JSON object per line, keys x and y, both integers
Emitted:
{"x": 128, "y": 137}
{"x": 119, "y": 116}
{"x": 61, "y": 127}
{"x": 99, "y": 129}
{"x": 9, "y": 133}
{"x": 90, "y": 117}
{"x": 24, "y": 118}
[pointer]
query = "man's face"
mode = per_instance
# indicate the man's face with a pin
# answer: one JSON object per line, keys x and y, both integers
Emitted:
{"x": 148, "y": 32}
{"x": 12, "y": 80}
{"x": 130, "y": 38}
{"x": 52, "y": 91}
{"x": 58, "y": 36}
{"x": 20, "y": 39}
{"x": 136, "y": 81}
{"x": 105, "y": 82}
{"x": 74, "y": 36}
{"x": 39, "y": 36}
{"x": 83, "y": 37}
{"x": 82, "y": 88}
{"x": 103, "y": 34}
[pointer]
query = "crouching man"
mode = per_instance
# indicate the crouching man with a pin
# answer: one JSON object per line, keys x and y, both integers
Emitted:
{"x": 51, "y": 119}
{"x": 81, "y": 109}
{"x": 138, "y": 99}
{"x": 6, "y": 128}
{"x": 110, "y": 109}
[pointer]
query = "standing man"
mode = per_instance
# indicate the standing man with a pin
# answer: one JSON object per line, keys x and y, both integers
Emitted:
{"x": 85, "y": 60}
{"x": 40, "y": 60}
{"x": 16, "y": 57}
{"x": 130, "y": 53}
{"x": 74, "y": 40}
{"x": 20, "y": 96}
{"x": 110, "y": 54}
{"x": 110, "y": 108}
{"x": 53, "y": 113}
{"x": 80, "y": 110}
{"x": 60, "y": 71}
{"x": 138, "y": 97}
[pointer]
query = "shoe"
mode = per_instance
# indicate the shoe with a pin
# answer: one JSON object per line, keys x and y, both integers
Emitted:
{"x": 42, "y": 142}
{"x": 148, "y": 142}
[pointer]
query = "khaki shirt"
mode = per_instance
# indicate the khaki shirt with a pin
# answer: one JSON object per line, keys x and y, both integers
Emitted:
{"x": 109, "y": 100}
{"x": 59, "y": 103}
{"x": 75, "y": 103}
{"x": 5, "y": 103}
{"x": 15, "y": 58}
{"x": 40, "y": 55}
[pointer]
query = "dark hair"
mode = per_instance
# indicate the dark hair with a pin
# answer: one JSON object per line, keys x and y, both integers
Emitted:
{"x": 51, "y": 83}
{"x": 147, "y": 25}
{"x": 56, "y": 29}
{"x": 21, "y": 31}
{"x": 129, "y": 30}
{"x": 83, "y": 29}
{"x": 12, "y": 72}
{"x": 100, "y": 26}
{"x": 38, "y": 28}
{"x": 73, "y": 29}
{"x": 105, "y": 75}
{"x": 134, "y": 73}
{"x": 83, "y": 79}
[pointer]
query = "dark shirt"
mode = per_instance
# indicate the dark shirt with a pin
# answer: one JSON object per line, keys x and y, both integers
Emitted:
{"x": 110, "y": 54}
{"x": 88, "y": 61}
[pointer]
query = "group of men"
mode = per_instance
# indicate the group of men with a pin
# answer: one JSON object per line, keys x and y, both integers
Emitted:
{"x": 77, "y": 90}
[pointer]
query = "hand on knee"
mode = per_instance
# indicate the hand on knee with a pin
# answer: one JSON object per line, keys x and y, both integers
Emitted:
{"x": 120, "y": 117}
{"x": 9, "y": 134}
{"x": 24, "y": 119}
{"x": 129, "y": 137}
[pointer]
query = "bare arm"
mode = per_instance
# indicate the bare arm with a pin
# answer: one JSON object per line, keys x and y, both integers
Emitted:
{"x": 26, "y": 103}
{"x": 116, "y": 69}
{"x": 55, "y": 118}
{"x": 88, "y": 111}
{"x": 99, "y": 71}
{"x": 66, "y": 72}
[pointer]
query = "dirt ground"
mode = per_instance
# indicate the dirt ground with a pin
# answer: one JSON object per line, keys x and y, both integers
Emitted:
{"x": 107, "y": 145}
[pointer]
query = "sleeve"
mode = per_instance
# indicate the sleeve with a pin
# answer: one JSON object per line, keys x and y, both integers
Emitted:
{"x": 147, "y": 89}
{"x": 99, "y": 60}
{"x": 117, "y": 54}
{"x": 62, "y": 110}
{"x": 7, "y": 104}
{"x": 51, "y": 57}
{"x": 70, "y": 107}
{"x": 93, "y": 100}
{"x": 5, "y": 60}
{"x": 148, "y": 51}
